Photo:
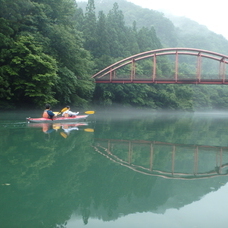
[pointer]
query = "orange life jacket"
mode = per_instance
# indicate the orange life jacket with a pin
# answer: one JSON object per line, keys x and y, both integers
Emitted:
{"x": 45, "y": 127}
{"x": 45, "y": 114}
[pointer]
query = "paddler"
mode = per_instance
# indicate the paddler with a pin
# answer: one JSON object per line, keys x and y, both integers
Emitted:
{"x": 68, "y": 113}
{"x": 47, "y": 112}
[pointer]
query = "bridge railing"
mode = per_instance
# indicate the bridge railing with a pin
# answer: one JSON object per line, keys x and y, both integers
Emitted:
{"x": 125, "y": 71}
{"x": 167, "y": 160}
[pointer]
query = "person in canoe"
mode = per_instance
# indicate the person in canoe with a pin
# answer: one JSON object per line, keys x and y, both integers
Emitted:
{"x": 68, "y": 113}
{"x": 48, "y": 113}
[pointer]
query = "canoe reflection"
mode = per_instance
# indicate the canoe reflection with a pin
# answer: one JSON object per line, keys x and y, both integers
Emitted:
{"x": 167, "y": 160}
{"x": 63, "y": 128}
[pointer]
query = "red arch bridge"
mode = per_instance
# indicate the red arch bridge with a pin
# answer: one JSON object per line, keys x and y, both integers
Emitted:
{"x": 128, "y": 69}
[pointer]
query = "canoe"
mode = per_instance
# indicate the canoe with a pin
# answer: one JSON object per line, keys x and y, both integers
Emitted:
{"x": 56, "y": 125}
{"x": 56, "y": 119}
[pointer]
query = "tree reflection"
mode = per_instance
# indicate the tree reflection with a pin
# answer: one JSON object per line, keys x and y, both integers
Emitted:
{"x": 51, "y": 180}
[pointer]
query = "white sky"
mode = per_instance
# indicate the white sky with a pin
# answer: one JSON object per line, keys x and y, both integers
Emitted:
{"x": 210, "y": 13}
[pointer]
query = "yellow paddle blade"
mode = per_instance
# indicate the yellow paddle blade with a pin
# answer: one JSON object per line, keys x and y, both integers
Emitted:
{"x": 64, "y": 109}
{"x": 89, "y": 112}
{"x": 89, "y": 130}
{"x": 63, "y": 134}
{"x": 56, "y": 126}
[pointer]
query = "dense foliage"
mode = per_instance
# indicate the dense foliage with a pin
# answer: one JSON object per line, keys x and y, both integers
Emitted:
{"x": 50, "y": 49}
{"x": 42, "y": 54}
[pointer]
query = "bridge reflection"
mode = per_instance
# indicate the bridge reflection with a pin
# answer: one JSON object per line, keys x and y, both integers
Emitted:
{"x": 167, "y": 160}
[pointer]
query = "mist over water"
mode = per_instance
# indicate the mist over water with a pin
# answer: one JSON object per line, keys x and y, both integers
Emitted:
{"x": 122, "y": 167}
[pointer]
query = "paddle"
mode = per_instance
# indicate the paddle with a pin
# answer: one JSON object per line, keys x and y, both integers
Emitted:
{"x": 63, "y": 110}
{"x": 57, "y": 113}
{"x": 87, "y": 112}
{"x": 89, "y": 129}
{"x": 64, "y": 135}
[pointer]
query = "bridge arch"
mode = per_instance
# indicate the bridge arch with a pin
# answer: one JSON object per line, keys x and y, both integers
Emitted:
{"x": 108, "y": 74}
{"x": 180, "y": 161}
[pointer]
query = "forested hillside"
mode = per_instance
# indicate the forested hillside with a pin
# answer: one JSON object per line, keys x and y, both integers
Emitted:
{"x": 171, "y": 30}
{"x": 42, "y": 54}
{"x": 191, "y": 34}
{"x": 51, "y": 48}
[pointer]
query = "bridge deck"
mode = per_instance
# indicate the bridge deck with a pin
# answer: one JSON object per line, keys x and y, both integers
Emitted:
{"x": 165, "y": 81}
{"x": 130, "y": 66}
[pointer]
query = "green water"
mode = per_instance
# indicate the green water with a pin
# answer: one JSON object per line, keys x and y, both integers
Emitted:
{"x": 119, "y": 168}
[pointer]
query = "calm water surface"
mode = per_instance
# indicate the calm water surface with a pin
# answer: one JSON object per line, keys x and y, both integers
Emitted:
{"x": 119, "y": 168}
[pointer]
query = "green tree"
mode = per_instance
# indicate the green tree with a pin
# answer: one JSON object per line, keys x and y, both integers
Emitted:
{"x": 36, "y": 33}
{"x": 147, "y": 39}
{"x": 90, "y": 28}
{"x": 30, "y": 73}
{"x": 103, "y": 47}
{"x": 133, "y": 45}
{"x": 117, "y": 32}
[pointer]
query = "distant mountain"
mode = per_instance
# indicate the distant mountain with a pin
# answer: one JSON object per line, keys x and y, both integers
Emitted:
{"x": 192, "y": 34}
{"x": 171, "y": 30}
